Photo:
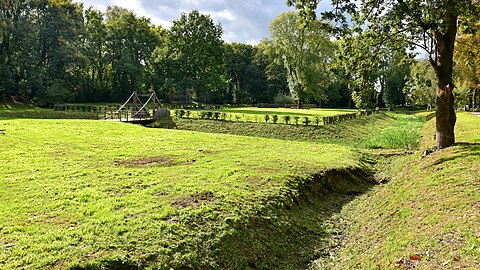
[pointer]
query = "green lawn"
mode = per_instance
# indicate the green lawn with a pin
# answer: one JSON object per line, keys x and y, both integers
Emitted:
{"x": 286, "y": 111}
{"x": 80, "y": 191}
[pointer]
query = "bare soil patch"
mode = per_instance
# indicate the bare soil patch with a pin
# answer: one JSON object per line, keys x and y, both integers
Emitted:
{"x": 162, "y": 161}
{"x": 194, "y": 200}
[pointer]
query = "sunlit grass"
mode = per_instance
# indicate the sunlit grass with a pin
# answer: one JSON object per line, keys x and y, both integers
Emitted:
{"x": 76, "y": 191}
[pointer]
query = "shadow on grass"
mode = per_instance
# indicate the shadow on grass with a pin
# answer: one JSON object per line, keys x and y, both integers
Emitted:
{"x": 292, "y": 234}
{"x": 286, "y": 231}
{"x": 463, "y": 150}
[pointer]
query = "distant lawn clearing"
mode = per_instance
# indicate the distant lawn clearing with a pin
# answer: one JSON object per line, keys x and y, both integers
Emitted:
{"x": 286, "y": 111}
{"x": 79, "y": 191}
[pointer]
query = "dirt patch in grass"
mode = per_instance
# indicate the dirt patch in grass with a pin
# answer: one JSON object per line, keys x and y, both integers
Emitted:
{"x": 138, "y": 163}
{"x": 194, "y": 200}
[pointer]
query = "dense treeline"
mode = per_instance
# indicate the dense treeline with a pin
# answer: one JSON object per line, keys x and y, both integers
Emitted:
{"x": 55, "y": 51}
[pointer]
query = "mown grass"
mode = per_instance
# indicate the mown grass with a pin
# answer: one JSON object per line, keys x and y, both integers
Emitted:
{"x": 16, "y": 110}
{"x": 92, "y": 193}
{"x": 426, "y": 217}
{"x": 286, "y": 111}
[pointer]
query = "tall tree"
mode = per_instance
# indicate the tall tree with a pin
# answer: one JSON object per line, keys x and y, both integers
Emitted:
{"x": 196, "y": 48}
{"x": 130, "y": 44}
{"x": 431, "y": 25}
{"x": 467, "y": 58}
{"x": 306, "y": 53}
{"x": 270, "y": 62}
{"x": 421, "y": 85}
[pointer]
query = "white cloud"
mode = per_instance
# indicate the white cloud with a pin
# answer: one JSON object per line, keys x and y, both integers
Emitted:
{"x": 243, "y": 21}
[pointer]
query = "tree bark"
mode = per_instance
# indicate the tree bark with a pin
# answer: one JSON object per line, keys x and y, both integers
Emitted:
{"x": 474, "y": 98}
{"x": 443, "y": 65}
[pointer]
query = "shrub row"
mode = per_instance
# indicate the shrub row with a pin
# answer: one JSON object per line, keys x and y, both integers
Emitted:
{"x": 192, "y": 107}
{"x": 275, "y": 119}
{"x": 328, "y": 120}
{"x": 81, "y": 108}
{"x": 287, "y": 105}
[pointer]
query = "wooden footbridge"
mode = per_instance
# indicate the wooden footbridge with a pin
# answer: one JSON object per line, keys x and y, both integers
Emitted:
{"x": 134, "y": 110}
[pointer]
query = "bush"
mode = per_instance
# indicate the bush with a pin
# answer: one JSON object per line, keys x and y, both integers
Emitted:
{"x": 188, "y": 113}
{"x": 237, "y": 117}
{"x": 306, "y": 121}
{"x": 216, "y": 115}
{"x": 317, "y": 120}
{"x": 275, "y": 119}
{"x": 267, "y": 105}
{"x": 287, "y": 119}
{"x": 282, "y": 99}
{"x": 296, "y": 118}
{"x": 267, "y": 117}
{"x": 209, "y": 115}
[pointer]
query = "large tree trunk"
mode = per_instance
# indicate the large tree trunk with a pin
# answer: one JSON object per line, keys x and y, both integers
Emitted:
{"x": 474, "y": 98}
{"x": 443, "y": 66}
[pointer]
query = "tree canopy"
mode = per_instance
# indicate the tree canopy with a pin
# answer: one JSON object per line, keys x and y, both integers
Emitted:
{"x": 430, "y": 25}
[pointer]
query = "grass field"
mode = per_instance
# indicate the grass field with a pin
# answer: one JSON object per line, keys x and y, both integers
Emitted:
{"x": 79, "y": 191}
{"x": 426, "y": 217}
{"x": 85, "y": 194}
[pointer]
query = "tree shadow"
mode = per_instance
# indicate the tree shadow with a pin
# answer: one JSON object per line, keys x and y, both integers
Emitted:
{"x": 461, "y": 150}
{"x": 295, "y": 232}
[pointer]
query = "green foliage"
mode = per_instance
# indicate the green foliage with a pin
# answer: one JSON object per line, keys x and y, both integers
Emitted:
{"x": 282, "y": 99}
{"x": 266, "y": 117}
{"x": 275, "y": 118}
{"x": 306, "y": 53}
{"x": 403, "y": 134}
{"x": 193, "y": 59}
{"x": 421, "y": 87}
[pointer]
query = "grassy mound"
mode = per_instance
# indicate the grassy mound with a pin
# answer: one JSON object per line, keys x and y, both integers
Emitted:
{"x": 426, "y": 217}
{"x": 92, "y": 194}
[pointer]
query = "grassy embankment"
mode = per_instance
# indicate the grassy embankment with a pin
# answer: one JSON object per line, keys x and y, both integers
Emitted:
{"x": 96, "y": 194}
{"x": 383, "y": 130}
{"x": 78, "y": 192}
{"x": 427, "y": 216}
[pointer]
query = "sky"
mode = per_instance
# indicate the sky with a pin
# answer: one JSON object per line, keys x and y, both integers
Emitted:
{"x": 244, "y": 21}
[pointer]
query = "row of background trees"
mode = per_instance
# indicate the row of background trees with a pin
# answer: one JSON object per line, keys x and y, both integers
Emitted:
{"x": 56, "y": 51}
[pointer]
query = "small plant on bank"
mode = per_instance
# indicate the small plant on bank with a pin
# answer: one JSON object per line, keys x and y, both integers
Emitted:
{"x": 287, "y": 119}
{"x": 306, "y": 121}
{"x": 237, "y": 117}
{"x": 317, "y": 121}
{"x": 216, "y": 115}
{"x": 209, "y": 115}
{"x": 296, "y": 118}
{"x": 187, "y": 114}
{"x": 267, "y": 117}
{"x": 224, "y": 116}
{"x": 275, "y": 119}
